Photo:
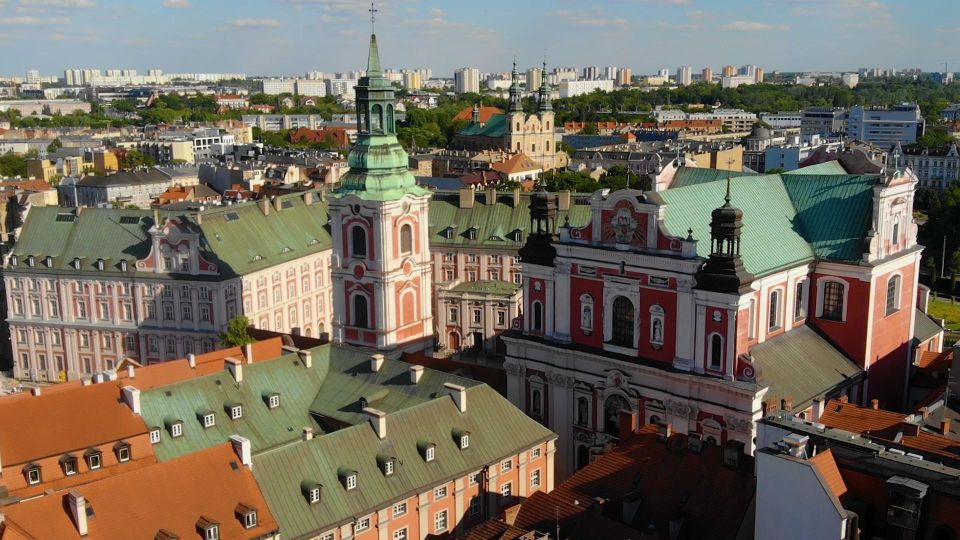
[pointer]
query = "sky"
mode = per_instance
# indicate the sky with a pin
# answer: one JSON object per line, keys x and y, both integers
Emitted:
{"x": 290, "y": 37}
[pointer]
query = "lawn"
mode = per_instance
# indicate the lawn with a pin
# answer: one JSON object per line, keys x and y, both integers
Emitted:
{"x": 943, "y": 309}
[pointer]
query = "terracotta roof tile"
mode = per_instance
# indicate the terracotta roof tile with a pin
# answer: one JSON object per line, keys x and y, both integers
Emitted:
{"x": 519, "y": 163}
{"x": 485, "y": 114}
{"x": 172, "y": 495}
{"x": 827, "y": 466}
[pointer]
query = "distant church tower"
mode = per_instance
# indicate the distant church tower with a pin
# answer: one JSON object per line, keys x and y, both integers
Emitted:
{"x": 378, "y": 218}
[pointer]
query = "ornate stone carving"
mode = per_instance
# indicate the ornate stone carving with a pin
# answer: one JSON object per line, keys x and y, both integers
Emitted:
{"x": 738, "y": 425}
{"x": 512, "y": 368}
{"x": 683, "y": 410}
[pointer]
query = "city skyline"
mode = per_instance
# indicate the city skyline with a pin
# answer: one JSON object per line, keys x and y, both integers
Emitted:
{"x": 289, "y": 37}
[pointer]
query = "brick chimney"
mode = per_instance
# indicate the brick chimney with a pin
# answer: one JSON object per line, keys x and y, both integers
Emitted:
{"x": 376, "y": 362}
{"x": 378, "y": 419}
{"x": 875, "y": 404}
{"x": 241, "y": 447}
{"x": 945, "y": 426}
{"x": 416, "y": 372}
{"x": 459, "y": 395}
{"x": 235, "y": 367}
{"x": 467, "y": 197}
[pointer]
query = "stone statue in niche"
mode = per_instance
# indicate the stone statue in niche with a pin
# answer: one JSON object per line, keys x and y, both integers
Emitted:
{"x": 624, "y": 225}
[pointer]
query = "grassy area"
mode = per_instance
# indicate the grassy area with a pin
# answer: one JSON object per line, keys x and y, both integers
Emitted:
{"x": 944, "y": 309}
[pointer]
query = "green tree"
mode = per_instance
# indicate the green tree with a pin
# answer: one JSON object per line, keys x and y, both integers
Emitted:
{"x": 13, "y": 165}
{"x": 54, "y": 145}
{"x": 590, "y": 129}
{"x": 132, "y": 159}
{"x": 236, "y": 334}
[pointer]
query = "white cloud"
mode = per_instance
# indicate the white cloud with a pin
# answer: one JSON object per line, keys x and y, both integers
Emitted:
{"x": 262, "y": 23}
{"x": 676, "y": 26}
{"x": 27, "y": 20}
{"x": 593, "y": 18}
{"x": 437, "y": 12}
{"x": 753, "y": 26}
{"x": 679, "y": 2}
{"x": 60, "y": 3}
{"x": 176, "y": 4}
{"x": 696, "y": 14}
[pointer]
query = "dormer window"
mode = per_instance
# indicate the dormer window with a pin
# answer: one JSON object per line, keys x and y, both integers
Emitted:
{"x": 123, "y": 265}
{"x": 348, "y": 478}
{"x": 13, "y": 260}
{"x": 48, "y": 260}
{"x": 516, "y": 235}
{"x": 472, "y": 233}
{"x": 209, "y": 419}
{"x": 236, "y": 411}
{"x": 122, "y": 450}
{"x": 387, "y": 464}
{"x": 351, "y": 481}
{"x": 93, "y": 458}
{"x": 30, "y": 260}
{"x": 69, "y": 465}
{"x": 428, "y": 451}
{"x": 311, "y": 491}
{"x": 388, "y": 468}
{"x": 100, "y": 265}
{"x": 464, "y": 441}
{"x": 154, "y": 435}
{"x": 209, "y": 529}
{"x": 76, "y": 264}
{"x": 176, "y": 428}
{"x": 248, "y": 516}
{"x": 32, "y": 473}
{"x": 272, "y": 400}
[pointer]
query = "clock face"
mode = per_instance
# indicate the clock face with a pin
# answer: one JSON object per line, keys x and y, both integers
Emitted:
{"x": 717, "y": 316}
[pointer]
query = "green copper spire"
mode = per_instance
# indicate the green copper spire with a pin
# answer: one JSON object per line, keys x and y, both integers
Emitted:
{"x": 544, "y": 101}
{"x": 516, "y": 105}
{"x": 373, "y": 60}
{"x": 379, "y": 166}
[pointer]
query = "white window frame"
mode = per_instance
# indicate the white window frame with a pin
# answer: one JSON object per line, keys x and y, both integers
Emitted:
{"x": 123, "y": 454}
{"x": 154, "y": 436}
{"x": 535, "y": 479}
{"x": 34, "y": 476}
{"x": 399, "y": 509}
{"x": 250, "y": 519}
{"x": 401, "y": 534}
{"x": 209, "y": 420}
{"x": 439, "y": 517}
{"x": 440, "y": 492}
{"x": 388, "y": 467}
{"x": 212, "y": 532}
{"x": 474, "y": 479}
{"x": 236, "y": 412}
{"x": 94, "y": 461}
{"x": 506, "y": 465}
{"x": 800, "y": 301}
{"x": 430, "y": 454}
{"x": 821, "y": 285}
{"x": 176, "y": 430}
{"x": 351, "y": 481}
{"x": 537, "y": 452}
{"x": 313, "y": 496}
{"x": 273, "y": 401}
{"x": 464, "y": 442}
{"x": 506, "y": 490}
{"x": 898, "y": 295}
{"x": 362, "y": 524}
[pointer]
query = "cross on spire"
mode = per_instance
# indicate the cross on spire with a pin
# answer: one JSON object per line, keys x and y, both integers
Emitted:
{"x": 373, "y": 17}
{"x": 730, "y": 162}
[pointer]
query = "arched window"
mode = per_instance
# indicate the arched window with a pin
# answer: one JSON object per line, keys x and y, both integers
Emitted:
{"x": 716, "y": 352}
{"x": 611, "y": 413}
{"x": 518, "y": 126}
{"x": 536, "y": 403}
{"x": 388, "y": 127}
{"x": 358, "y": 241}
{"x": 622, "y": 334}
{"x": 893, "y": 294}
{"x": 833, "y": 292}
{"x": 548, "y": 142}
{"x": 376, "y": 118}
{"x": 533, "y": 147}
{"x": 537, "y": 321}
{"x": 408, "y": 308}
{"x": 406, "y": 239}
{"x": 583, "y": 411}
{"x": 361, "y": 311}
{"x": 776, "y": 321}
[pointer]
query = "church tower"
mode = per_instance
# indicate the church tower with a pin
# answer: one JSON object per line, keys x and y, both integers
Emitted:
{"x": 378, "y": 220}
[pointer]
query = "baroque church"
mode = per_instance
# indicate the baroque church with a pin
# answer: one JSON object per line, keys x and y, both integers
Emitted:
{"x": 516, "y": 132}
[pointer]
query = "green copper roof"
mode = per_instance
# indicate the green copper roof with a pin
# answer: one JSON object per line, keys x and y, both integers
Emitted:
{"x": 501, "y": 288}
{"x": 827, "y": 167}
{"x": 373, "y": 58}
{"x": 330, "y": 389}
{"x": 239, "y": 239}
{"x": 691, "y": 176}
{"x": 496, "y": 429}
{"x": 495, "y": 224}
{"x": 495, "y": 127}
{"x": 805, "y": 216}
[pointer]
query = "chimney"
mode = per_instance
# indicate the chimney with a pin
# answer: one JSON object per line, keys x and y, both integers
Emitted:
{"x": 241, "y": 447}
{"x": 945, "y": 426}
{"x": 563, "y": 200}
{"x": 308, "y": 198}
{"x": 192, "y": 360}
{"x": 378, "y": 419}
{"x": 844, "y": 399}
{"x": 131, "y": 372}
{"x": 797, "y": 445}
{"x": 376, "y": 362}
{"x": 491, "y": 197}
{"x": 264, "y": 205}
{"x": 78, "y": 510}
{"x": 131, "y": 396}
{"x": 516, "y": 197}
{"x": 664, "y": 431}
{"x": 459, "y": 395}
{"x": 466, "y": 197}
{"x": 628, "y": 424}
{"x": 248, "y": 352}
{"x": 307, "y": 433}
{"x": 416, "y": 372}
{"x": 307, "y": 358}
{"x": 235, "y": 367}
{"x": 875, "y": 404}
{"x": 277, "y": 204}
{"x": 85, "y": 382}
{"x": 35, "y": 391}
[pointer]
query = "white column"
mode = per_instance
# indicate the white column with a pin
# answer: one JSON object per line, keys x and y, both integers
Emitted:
{"x": 562, "y": 321}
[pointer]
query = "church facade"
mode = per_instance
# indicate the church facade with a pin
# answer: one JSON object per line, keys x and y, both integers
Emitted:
{"x": 516, "y": 132}
{"x": 673, "y": 315}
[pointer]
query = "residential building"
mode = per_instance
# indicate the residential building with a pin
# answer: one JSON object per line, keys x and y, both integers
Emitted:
{"x": 412, "y": 80}
{"x": 825, "y": 121}
{"x": 232, "y": 101}
{"x": 474, "y": 313}
{"x": 936, "y": 168}
{"x": 578, "y": 88}
{"x": 276, "y": 122}
{"x": 652, "y": 158}
{"x": 534, "y": 77}
{"x": 783, "y": 120}
{"x": 684, "y": 75}
{"x": 87, "y": 288}
{"x": 211, "y": 492}
{"x": 733, "y": 81}
{"x": 886, "y": 127}
{"x": 707, "y": 74}
{"x": 278, "y": 86}
{"x": 136, "y": 188}
{"x": 624, "y": 77}
{"x": 45, "y": 106}
{"x": 850, "y": 80}
{"x": 728, "y": 71}
{"x": 951, "y": 113}
{"x": 674, "y": 322}
{"x": 164, "y": 151}
{"x": 342, "y": 88}
{"x": 466, "y": 80}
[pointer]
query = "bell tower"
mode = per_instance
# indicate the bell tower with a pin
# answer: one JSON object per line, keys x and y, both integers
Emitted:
{"x": 378, "y": 219}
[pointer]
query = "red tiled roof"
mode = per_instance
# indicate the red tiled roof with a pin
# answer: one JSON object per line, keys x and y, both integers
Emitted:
{"x": 485, "y": 114}
{"x": 518, "y": 163}
{"x": 172, "y": 495}
{"x": 545, "y": 513}
{"x": 494, "y": 530}
{"x": 935, "y": 360}
{"x": 827, "y": 466}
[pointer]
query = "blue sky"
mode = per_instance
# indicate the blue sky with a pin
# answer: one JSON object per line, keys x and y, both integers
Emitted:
{"x": 293, "y": 36}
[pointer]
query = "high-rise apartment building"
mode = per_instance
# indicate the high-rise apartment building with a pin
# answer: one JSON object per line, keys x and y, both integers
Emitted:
{"x": 534, "y": 79}
{"x": 886, "y": 127}
{"x": 663, "y": 72}
{"x": 611, "y": 72}
{"x": 728, "y": 71}
{"x": 707, "y": 74}
{"x": 624, "y": 77}
{"x": 684, "y": 75}
{"x": 591, "y": 73}
{"x": 466, "y": 80}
